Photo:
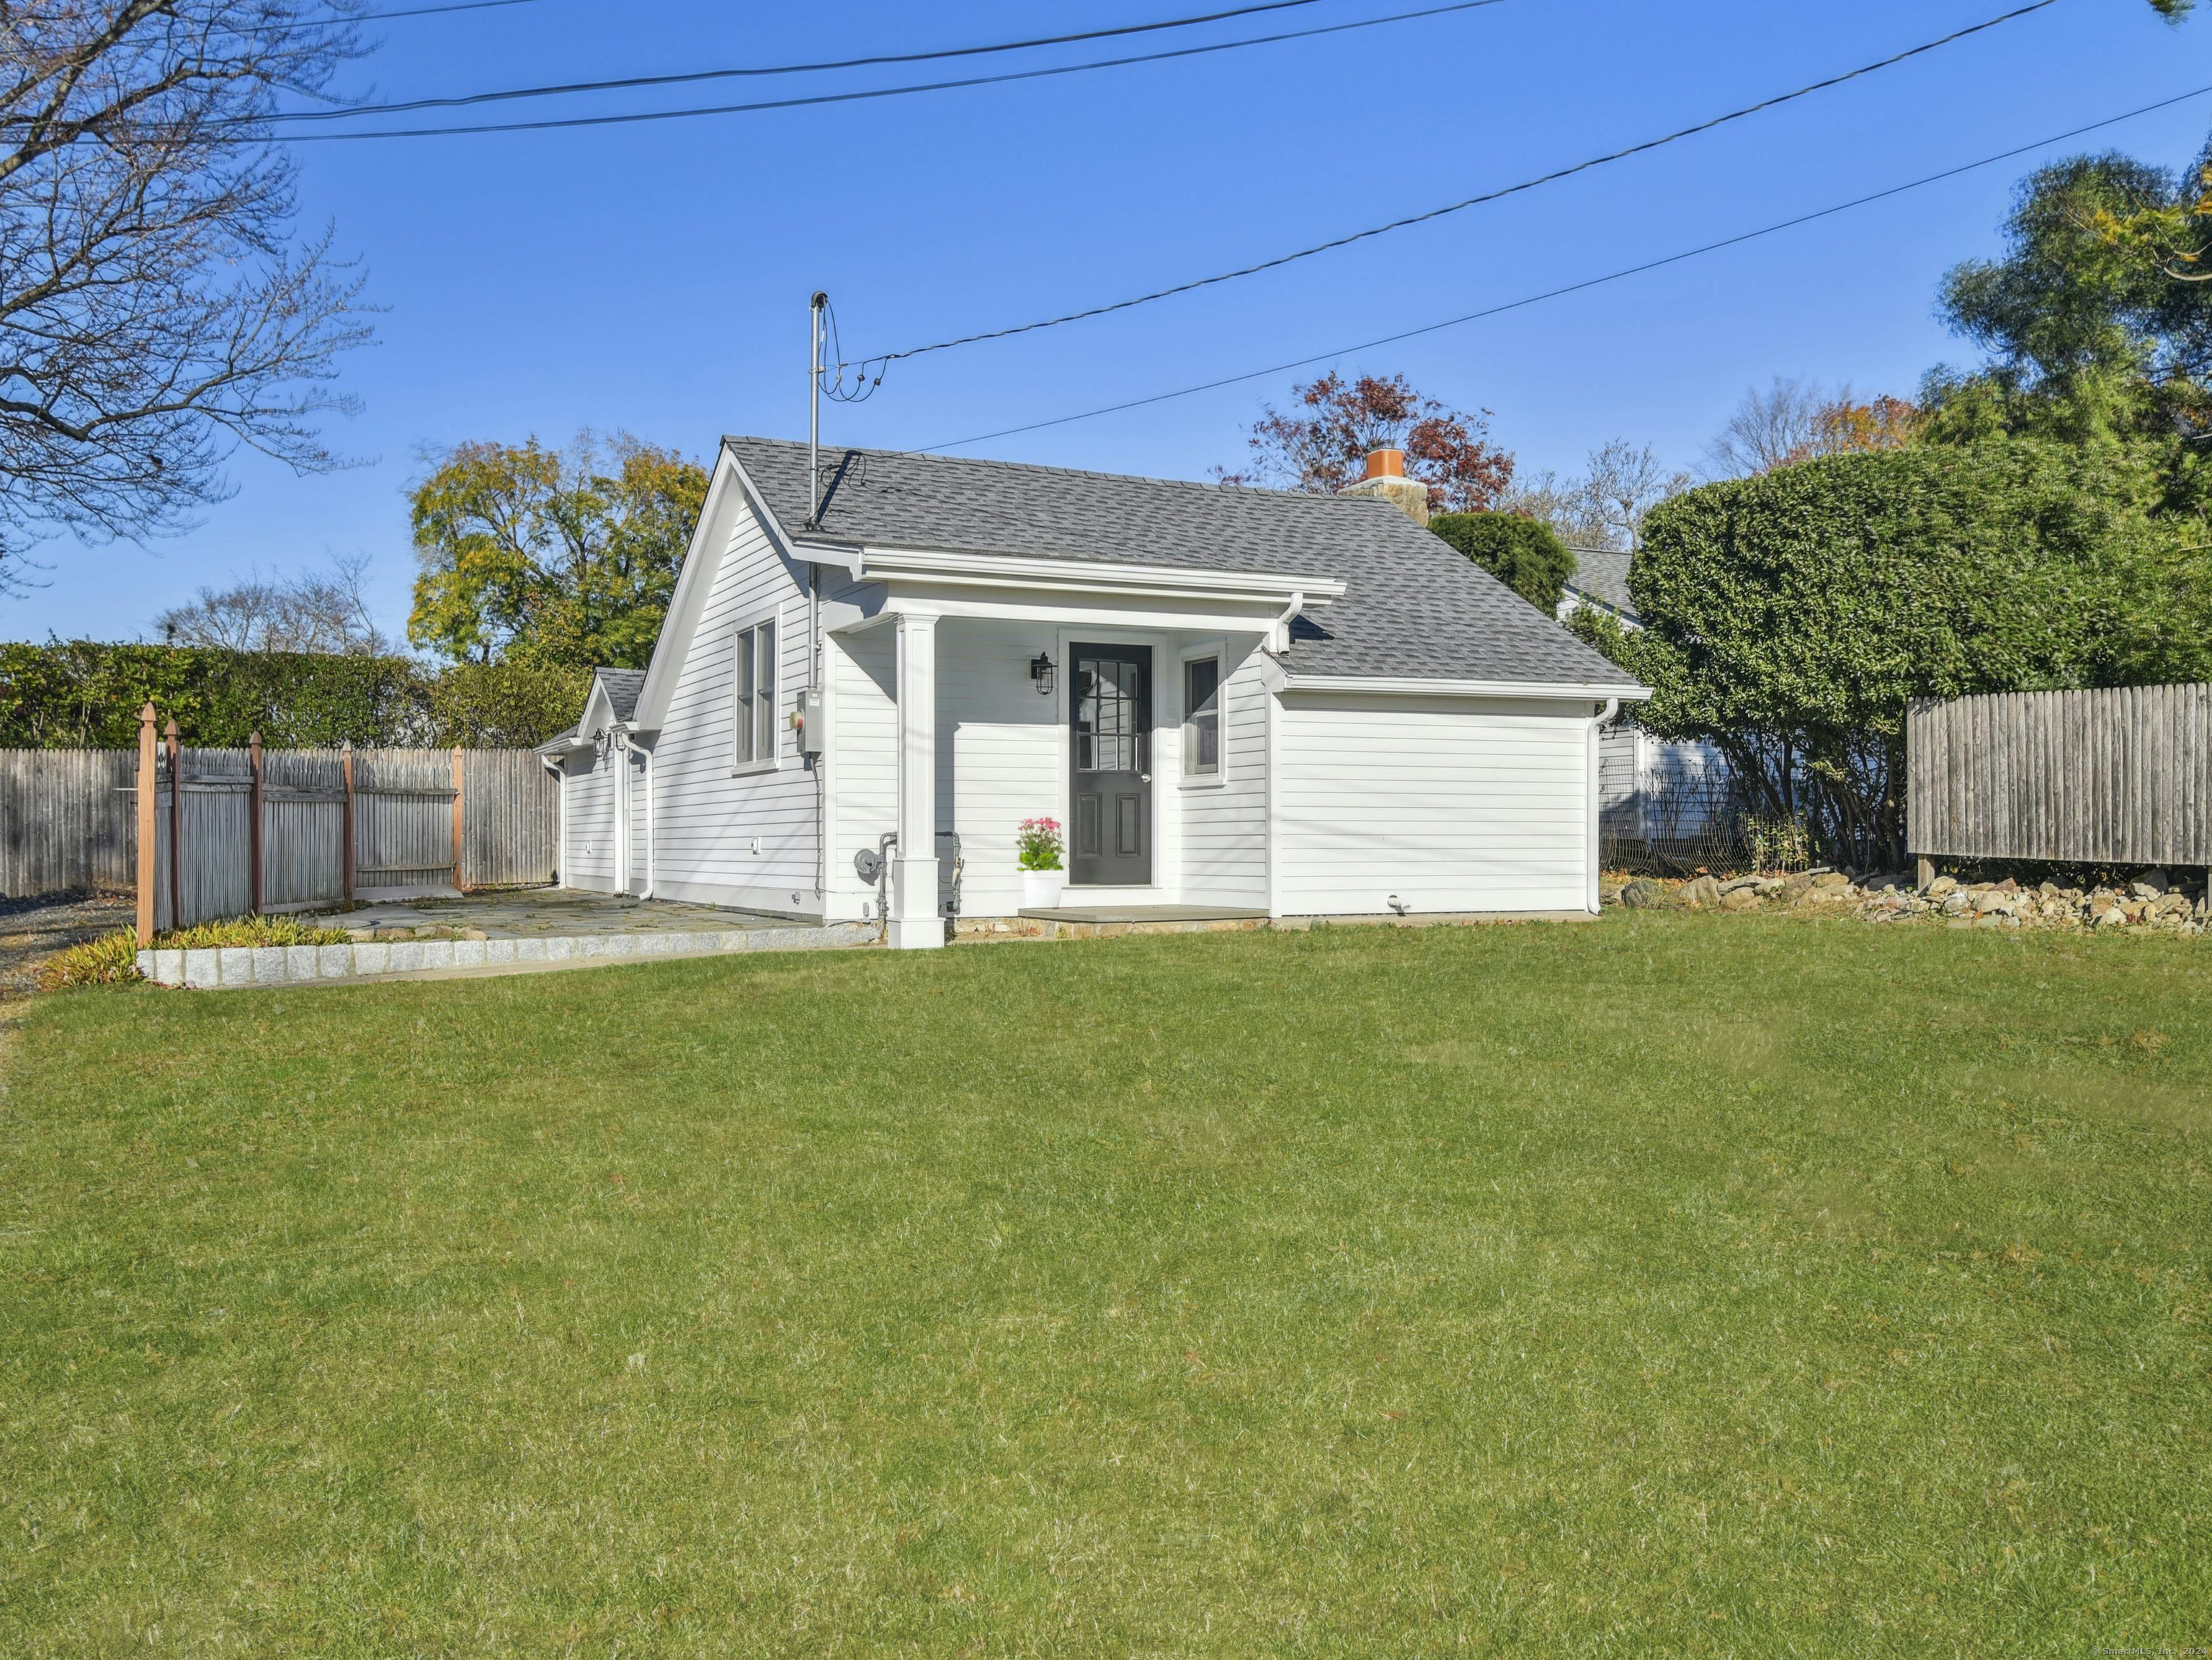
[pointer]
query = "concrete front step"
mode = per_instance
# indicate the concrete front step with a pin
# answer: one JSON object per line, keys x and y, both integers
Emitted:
{"x": 232, "y": 966}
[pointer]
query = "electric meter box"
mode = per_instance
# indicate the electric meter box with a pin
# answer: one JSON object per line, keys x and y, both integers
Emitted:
{"x": 810, "y": 722}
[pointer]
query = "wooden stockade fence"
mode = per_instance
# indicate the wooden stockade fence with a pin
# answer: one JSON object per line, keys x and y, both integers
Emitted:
{"x": 2118, "y": 777}
{"x": 66, "y": 820}
{"x": 254, "y": 831}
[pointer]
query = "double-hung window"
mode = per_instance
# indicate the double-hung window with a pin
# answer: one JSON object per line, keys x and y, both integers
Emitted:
{"x": 754, "y": 714}
{"x": 1201, "y": 717}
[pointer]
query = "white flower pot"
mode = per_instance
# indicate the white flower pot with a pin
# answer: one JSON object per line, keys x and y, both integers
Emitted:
{"x": 1041, "y": 889}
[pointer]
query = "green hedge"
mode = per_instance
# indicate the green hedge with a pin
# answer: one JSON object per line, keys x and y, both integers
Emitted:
{"x": 1525, "y": 554}
{"x": 83, "y": 695}
{"x": 1791, "y": 619}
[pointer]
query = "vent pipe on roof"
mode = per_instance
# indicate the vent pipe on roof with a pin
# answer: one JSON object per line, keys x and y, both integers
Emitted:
{"x": 1386, "y": 477}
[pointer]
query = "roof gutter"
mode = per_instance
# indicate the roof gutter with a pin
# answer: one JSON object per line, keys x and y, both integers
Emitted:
{"x": 1094, "y": 576}
{"x": 1407, "y": 685}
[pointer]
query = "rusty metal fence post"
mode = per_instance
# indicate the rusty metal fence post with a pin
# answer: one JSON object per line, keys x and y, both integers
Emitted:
{"x": 345, "y": 839}
{"x": 176, "y": 826}
{"x": 148, "y": 833}
{"x": 456, "y": 819}
{"x": 253, "y": 821}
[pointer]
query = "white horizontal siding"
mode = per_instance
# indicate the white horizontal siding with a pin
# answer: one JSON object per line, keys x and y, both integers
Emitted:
{"x": 862, "y": 684}
{"x": 706, "y": 815}
{"x": 1224, "y": 828}
{"x": 1619, "y": 765}
{"x": 1453, "y": 805}
{"x": 639, "y": 780}
{"x": 999, "y": 751}
{"x": 1684, "y": 784}
{"x": 587, "y": 823}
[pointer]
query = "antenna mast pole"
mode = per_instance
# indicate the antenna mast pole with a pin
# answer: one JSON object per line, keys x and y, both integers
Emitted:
{"x": 814, "y": 307}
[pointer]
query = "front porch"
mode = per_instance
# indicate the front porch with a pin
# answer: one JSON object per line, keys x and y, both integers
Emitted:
{"x": 1109, "y": 922}
{"x": 1146, "y": 914}
{"x": 1138, "y": 725}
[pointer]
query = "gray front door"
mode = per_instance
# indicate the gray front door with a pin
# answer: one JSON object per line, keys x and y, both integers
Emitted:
{"x": 1110, "y": 718}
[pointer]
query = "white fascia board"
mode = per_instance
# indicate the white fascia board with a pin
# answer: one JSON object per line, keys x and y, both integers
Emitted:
{"x": 596, "y": 702}
{"x": 1070, "y": 576}
{"x": 555, "y": 749}
{"x": 693, "y": 584}
{"x": 730, "y": 486}
{"x": 843, "y": 556}
{"x": 1280, "y": 680}
{"x": 1079, "y": 611}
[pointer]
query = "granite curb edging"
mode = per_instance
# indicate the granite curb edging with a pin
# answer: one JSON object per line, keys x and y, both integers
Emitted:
{"x": 230, "y": 967}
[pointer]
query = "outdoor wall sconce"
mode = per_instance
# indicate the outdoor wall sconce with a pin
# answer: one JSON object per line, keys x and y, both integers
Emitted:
{"x": 1040, "y": 671}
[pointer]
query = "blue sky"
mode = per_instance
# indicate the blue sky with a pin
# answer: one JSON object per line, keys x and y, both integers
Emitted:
{"x": 654, "y": 278}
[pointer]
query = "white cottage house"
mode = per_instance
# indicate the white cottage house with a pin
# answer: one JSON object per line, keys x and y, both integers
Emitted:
{"x": 1238, "y": 702}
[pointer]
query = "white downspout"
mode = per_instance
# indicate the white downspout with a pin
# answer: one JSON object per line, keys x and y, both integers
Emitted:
{"x": 652, "y": 835}
{"x": 1279, "y": 641}
{"x": 1597, "y": 725}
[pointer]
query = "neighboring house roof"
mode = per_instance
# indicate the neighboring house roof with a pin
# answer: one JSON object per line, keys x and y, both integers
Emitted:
{"x": 1601, "y": 574}
{"x": 623, "y": 686}
{"x": 1412, "y": 605}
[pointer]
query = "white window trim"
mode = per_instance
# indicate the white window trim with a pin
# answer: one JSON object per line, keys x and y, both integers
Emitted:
{"x": 773, "y": 761}
{"x": 1219, "y": 778}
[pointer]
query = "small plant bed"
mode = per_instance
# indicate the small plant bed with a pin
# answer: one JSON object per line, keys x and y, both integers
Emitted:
{"x": 112, "y": 959}
{"x": 2152, "y": 901}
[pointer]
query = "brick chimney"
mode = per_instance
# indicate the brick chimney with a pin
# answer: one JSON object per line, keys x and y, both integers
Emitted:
{"x": 1386, "y": 477}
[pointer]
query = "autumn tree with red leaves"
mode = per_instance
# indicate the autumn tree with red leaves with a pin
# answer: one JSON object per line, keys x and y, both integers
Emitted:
{"x": 1321, "y": 443}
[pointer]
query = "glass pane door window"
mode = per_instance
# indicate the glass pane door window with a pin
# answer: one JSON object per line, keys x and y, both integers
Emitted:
{"x": 1109, "y": 715}
{"x": 1109, "y": 732}
{"x": 1201, "y": 721}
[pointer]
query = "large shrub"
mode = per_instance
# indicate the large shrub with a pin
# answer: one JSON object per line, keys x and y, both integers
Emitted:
{"x": 1525, "y": 554}
{"x": 495, "y": 705}
{"x": 1791, "y": 619}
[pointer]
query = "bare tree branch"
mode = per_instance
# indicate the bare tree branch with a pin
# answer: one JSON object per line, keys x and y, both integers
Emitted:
{"x": 306, "y": 612}
{"x": 157, "y": 310}
{"x": 1605, "y": 507}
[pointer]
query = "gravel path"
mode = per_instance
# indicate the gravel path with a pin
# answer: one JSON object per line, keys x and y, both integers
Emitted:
{"x": 32, "y": 929}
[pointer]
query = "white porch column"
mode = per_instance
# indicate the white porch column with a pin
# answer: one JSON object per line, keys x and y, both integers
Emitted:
{"x": 915, "y": 923}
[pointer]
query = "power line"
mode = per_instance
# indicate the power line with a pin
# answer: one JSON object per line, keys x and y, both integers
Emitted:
{"x": 345, "y": 21}
{"x": 888, "y": 358}
{"x": 635, "y": 81}
{"x": 627, "y": 117}
{"x": 430, "y": 11}
{"x": 1576, "y": 287}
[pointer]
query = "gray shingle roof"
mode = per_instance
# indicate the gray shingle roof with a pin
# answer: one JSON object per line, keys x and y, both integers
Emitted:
{"x": 1602, "y": 573}
{"x": 1411, "y": 605}
{"x": 623, "y": 687}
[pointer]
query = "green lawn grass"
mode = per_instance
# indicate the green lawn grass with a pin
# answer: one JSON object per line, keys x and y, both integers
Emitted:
{"x": 1665, "y": 1284}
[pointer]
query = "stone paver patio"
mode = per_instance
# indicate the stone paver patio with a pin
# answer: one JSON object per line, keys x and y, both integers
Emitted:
{"x": 516, "y": 931}
{"x": 525, "y": 913}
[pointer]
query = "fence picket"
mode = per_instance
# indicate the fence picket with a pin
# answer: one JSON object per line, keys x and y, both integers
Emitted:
{"x": 72, "y": 819}
{"x": 2119, "y": 776}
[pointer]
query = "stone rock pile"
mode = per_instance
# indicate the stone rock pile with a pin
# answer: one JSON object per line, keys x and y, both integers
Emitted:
{"x": 2152, "y": 901}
